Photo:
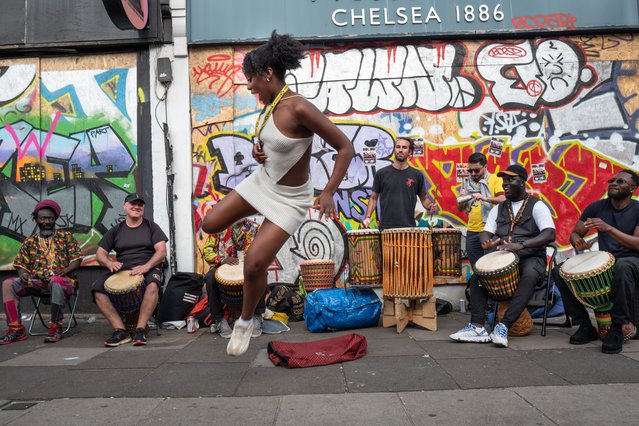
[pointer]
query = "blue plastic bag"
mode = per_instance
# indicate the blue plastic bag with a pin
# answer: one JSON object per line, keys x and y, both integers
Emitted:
{"x": 341, "y": 309}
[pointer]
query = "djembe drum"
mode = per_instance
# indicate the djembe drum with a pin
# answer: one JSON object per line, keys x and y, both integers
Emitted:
{"x": 589, "y": 276}
{"x": 364, "y": 257}
{"x": 126, "y": 292}
{"x": 498, "y": 273}
{"x": 447, "y": 252}
{"x": 407, "y": 263}
{"x": 318, "y": 273}
{"x": 230, "y": 279}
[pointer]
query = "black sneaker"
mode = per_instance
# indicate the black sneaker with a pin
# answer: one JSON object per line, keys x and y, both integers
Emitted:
{"x": 613, "y": 342}
{"x": 119, "y": 337}
{"x": 140, "y": 337}
{"x": 13, "y": 335}
{"x": 584, "y": 334}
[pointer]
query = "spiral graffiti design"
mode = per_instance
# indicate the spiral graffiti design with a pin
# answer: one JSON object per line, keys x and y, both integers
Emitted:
{"x": 315, "y": 240}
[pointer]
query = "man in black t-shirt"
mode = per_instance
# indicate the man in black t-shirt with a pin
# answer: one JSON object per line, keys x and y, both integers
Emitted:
{"x": 616, "y": 220}
{"x": 398, "y": 188}
{"x": 140, "y": 248}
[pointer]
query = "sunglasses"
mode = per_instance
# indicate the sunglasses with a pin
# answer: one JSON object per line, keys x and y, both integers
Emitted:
{"x": 473, "y": 171}
{"x": 617, "y": 181}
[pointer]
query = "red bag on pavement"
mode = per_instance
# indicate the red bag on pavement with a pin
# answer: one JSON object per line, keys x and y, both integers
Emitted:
{"x": 318, "y": 352}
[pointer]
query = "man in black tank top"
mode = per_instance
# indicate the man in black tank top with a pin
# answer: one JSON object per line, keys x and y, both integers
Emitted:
{"x": 398, "y": 187}
{"x": 616, "y": 221}
{"x": 522, "y": 225}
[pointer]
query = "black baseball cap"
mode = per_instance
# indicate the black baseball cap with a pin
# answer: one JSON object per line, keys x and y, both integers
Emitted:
{"x": 134, "y": 197}
{"x": 514, "y": 170}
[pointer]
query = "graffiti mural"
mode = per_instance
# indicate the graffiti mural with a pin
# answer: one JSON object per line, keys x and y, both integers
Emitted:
{"x": 68, "y": 131}
{"x": 568, "y": 104}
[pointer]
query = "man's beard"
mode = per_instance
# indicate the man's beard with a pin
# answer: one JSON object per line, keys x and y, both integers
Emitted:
{"x": 46, "y": 230}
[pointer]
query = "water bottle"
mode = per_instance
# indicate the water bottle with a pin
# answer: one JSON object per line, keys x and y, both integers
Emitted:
{"x": 462, "y": 305}
{"x": 192, "y": 325}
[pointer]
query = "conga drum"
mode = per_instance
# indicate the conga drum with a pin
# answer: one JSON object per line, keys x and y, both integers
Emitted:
{"x": 589, "y": 276}
{"x": 447, "y": 252}
{"x": 126, "y": 292}
{"x": 365, "y": 257}
{"x": 407, "y": 263}
{"x": 317, "y": 273}
{"x": 230, "y": 279}
{"x": 498, "y": 273}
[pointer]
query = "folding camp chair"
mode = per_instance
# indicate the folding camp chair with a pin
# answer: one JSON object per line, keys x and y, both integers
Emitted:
{"x": 38, "y": 301}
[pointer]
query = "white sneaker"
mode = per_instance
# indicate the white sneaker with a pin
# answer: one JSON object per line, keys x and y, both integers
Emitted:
{"x": 499, "y": 336}
{"x": 471, "y": 334}
{"x": 257, "y": 326}
{"x": 240, "y": 338}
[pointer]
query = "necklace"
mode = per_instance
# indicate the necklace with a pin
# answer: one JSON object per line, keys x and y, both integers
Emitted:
{"x": 515, "y": 219}
{"x": 48, "y": 248}
{"x": 267, "y": 114}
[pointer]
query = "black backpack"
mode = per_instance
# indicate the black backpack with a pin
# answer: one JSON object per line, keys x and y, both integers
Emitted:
{"x": 181, "y": 294}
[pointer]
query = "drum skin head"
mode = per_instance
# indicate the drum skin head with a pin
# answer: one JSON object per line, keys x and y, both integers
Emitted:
{"x": 123, "y": 282}
{"x": 586, "y": 262}
{"x": 363, "y": 232}
{"x": 230, "y": 273}
{"x": 495, "y": 261}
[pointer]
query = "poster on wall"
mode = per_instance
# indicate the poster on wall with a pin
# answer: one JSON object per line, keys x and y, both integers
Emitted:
{"x": 462, "y": 171}
{"x": 418, "y": 151}
{"x": 496, "y": 147}
{"x": 539, "y": 173}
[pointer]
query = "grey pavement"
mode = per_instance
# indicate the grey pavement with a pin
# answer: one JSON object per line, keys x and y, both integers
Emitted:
{"x": 416, "y": 377}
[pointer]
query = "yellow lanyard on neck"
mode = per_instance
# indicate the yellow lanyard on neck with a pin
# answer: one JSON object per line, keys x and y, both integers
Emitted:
{"x": 260, "y": 125}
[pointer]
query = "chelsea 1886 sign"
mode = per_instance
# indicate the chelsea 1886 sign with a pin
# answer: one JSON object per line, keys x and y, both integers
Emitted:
{"x": 414, "y": 15}
{"x": 223, "y": 21}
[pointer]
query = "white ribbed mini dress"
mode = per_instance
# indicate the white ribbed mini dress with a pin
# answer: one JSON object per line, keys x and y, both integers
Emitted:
{"x": 285, "y": 206}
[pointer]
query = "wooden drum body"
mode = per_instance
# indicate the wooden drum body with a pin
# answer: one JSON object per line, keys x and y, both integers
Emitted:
{"x": 447, "y": 252}
{"x": 319, "y": 273}
{"x": 407, "y": 263}
{"x": 498, "y": 272}
{"x": 589, "y": 276}
{"x": 230, "y": 279}
{"x": 126, "y": 292}
{"x": 365, "y": 257}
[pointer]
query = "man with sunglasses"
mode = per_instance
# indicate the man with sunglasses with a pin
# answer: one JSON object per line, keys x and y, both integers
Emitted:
{"x": 616, "y": 221}
{"x": 485, "y": 191}
{"x": 398, "y": 188}
{"x": 522, "y": 225}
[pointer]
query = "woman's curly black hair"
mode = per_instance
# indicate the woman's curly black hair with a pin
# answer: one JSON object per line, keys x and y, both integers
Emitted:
{"x": 281, "y": 53}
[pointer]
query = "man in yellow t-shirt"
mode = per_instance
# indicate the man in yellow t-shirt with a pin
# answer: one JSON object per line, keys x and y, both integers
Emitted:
{"x": 485, "y": 191}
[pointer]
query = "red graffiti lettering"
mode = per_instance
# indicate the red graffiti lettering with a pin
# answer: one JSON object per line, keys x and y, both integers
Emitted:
{"x": 218, "y": 70}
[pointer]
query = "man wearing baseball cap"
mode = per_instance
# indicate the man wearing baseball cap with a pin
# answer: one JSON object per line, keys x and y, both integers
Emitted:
{"x": 45, "y": 263}
{"x": 140, "y": 249}
{"x": 522, "y": 225}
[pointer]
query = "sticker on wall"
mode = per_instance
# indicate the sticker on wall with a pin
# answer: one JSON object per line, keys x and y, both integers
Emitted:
{"x": 418, "y": 151}
{"x": 539, "y": 173}
{"x": 496, "y": 147}
{"x": 461, "y": 171}
{"x": 369, "y": 155}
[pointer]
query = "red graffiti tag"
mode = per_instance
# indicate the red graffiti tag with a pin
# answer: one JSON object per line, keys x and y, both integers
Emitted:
{"x": 218, "y": 69}
{"x": 507, "y": 51}
{"x": 555, "y": 20}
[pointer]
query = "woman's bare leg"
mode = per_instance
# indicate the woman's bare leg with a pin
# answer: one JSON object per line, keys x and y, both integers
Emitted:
{"x": 226, "y": 212}
{"x": 268, "y": 241}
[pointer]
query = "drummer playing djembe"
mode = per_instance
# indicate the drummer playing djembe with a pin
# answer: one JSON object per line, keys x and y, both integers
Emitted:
{"x": 523, "y": 225}
{"x": 45, "y": 263}
{"x": 616, "y": 220}
{"x": 225, "y": 248}
{"x": 140, "y": 246}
